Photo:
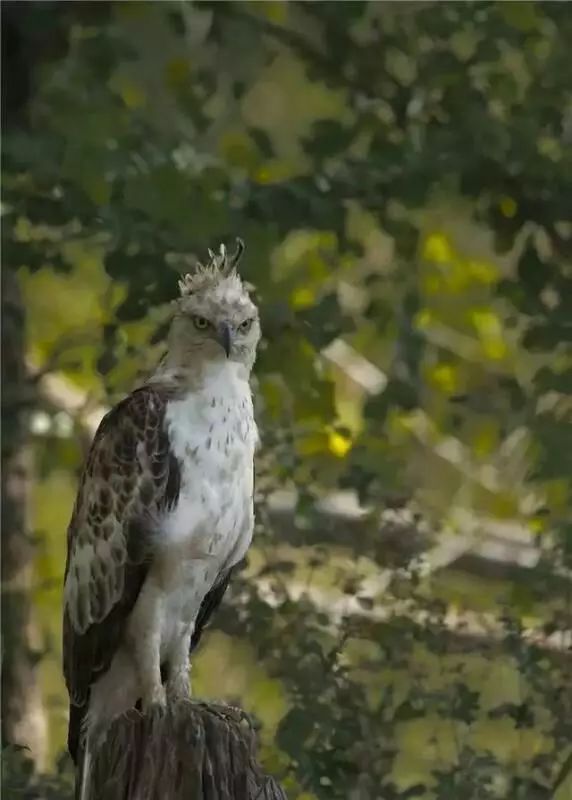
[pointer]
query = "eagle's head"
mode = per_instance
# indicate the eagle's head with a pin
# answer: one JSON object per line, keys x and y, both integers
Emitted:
{"x": 215, "y": 318}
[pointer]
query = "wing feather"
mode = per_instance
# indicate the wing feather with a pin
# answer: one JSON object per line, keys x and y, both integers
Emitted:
{"x": 130, "y": 476}
{"x": 209, "y": 605}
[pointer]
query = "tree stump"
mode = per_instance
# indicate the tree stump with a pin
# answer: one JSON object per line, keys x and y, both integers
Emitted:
{"x": 195, "y": 751}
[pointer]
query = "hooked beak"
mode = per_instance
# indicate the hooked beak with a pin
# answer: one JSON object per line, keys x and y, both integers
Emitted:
{"x": 225, "y": 337}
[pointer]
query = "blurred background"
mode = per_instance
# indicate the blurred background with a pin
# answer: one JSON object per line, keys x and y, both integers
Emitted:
{"x": 401, "y": 174}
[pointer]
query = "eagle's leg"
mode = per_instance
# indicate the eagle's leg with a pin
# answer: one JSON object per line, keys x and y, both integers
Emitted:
{"x": 178, "y": 683}
{"x": 145, "y": 634}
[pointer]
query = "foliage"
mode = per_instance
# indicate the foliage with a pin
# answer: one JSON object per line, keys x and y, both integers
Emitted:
{"x": 400, "y": 174}
{"x": 19, "y": 780}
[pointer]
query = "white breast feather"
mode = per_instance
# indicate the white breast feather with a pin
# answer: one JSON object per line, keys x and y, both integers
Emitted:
{"x": 213, "y": 435}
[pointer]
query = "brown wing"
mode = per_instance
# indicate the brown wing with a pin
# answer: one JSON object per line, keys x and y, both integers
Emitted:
{"x": 209, "y": 605}
{"x": 130, "y": 476}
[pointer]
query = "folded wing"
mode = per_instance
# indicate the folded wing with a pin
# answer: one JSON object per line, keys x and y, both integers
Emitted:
{"x": 129, "y": 479}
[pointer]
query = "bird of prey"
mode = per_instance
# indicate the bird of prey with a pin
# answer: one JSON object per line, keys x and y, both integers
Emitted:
{"x": 164, "y": 511}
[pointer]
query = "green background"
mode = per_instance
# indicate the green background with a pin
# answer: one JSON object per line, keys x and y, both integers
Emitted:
{"x": 400, "y": 174}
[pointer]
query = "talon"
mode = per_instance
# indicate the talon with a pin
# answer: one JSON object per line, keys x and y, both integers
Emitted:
{"x": 179, "y": 689}
{"x": 156, "y": 702}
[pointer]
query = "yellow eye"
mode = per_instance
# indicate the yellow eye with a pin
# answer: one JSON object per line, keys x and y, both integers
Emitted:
{"x": 245, "y": 326}
{"x": 201, "y": 323}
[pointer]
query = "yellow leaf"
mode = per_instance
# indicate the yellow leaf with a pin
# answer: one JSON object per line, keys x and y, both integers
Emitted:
{"x": 490, "y": 333}
{"x": 443, "y": 377}
{"x": 504, "y": 506}
{"x": 508, "y": 207}
{"x": 485, "y": 439}
{"x": 339, "y": 445}
{"x": 437, "y": 248}
{"x": 424, "y": 318}
{"x": 537, "y": 525}
{"x": 302, "y": 297}
{"x": 483, "y": 271}
{"x": 274, "y": 171}
{"x": 496, "y": 350}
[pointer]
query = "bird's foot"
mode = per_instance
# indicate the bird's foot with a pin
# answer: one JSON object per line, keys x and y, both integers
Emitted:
{"x": 156, "y": 701}
{"x": 178, "y": 689}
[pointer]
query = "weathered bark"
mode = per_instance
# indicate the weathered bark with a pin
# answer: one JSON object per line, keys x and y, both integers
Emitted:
{"x": 23, "y": 716}
{"x": 193, "y": 752}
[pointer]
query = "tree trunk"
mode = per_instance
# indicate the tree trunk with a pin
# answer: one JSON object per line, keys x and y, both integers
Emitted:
{"x": 193, "y": 752}
{"x": 23, "y": 717}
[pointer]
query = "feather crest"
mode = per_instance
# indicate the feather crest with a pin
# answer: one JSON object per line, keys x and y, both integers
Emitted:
{"x": 220, "y": 265}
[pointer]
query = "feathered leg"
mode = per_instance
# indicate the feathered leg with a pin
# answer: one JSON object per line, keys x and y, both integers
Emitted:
{"x": 178, "y": 682}
{"x": 145, "y": 638}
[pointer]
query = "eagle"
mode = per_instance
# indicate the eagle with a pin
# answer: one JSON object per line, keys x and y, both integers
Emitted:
{"x": 163, "y": 513}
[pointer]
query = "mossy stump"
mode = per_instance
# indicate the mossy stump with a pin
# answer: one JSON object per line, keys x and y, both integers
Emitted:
{"x": 196, "y": 751}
